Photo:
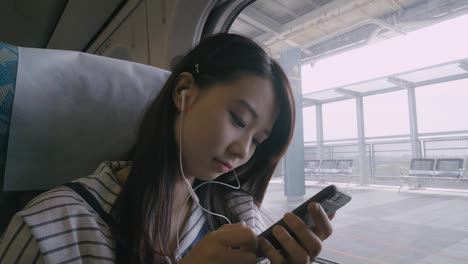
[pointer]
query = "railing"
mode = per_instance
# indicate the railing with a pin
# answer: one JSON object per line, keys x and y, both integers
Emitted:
{"x": 387, "y": 154}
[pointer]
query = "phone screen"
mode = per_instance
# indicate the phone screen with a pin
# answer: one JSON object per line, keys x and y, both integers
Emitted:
{"x": 330, "y": 198}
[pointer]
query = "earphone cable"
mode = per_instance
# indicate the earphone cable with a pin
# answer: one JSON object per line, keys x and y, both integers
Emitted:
{"x": 189, "y": 186}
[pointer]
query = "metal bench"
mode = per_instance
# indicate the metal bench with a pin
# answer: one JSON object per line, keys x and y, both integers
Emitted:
{"x": 449, "y": 169}
{"x": 421, "y": 170}
{"x": 335, "y": 168}
{"x": 426, "y": 171}
{"x": 311, "y": 167}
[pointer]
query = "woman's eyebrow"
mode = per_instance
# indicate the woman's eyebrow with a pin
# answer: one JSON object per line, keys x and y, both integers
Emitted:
{"x": 251, "y": 110}
{"x": 248, "y": 107}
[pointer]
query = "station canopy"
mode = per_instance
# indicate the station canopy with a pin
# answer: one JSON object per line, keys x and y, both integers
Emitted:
{"x": 445, "y": 72}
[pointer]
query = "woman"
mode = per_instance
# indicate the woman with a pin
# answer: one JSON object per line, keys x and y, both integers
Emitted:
{"x": 225, "y": 113}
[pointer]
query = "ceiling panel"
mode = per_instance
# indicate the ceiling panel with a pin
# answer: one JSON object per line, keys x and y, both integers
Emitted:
{"x": 29, "y": 23}
{"x": 339, "y": 25}
{"x": 241, "y": 27}
{"x": 272, "y": 10}
{"x": 370, "y": 86}
{"x": 432, "y": 73}
{"x": 324, "y": 95}
{"x": 414, "y": 78}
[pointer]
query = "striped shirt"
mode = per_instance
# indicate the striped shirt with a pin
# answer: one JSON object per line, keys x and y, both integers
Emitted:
{"x": 58, "y": 226}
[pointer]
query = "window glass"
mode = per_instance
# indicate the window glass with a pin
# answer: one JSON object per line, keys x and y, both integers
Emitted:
{"x": 310, "y": 127}
{"x": 397, "y": 56}
{"x": 442, "y": 107}
{"x": 391, "y": 107}
{"x": 339, "y": 120}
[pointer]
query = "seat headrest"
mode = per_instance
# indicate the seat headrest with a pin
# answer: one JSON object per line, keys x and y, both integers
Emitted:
{"x": 8, "y": 71}
{"x": 71, "y": 111}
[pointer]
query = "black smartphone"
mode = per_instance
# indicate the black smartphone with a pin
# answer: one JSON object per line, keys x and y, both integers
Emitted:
{"x": 330, "y": 198}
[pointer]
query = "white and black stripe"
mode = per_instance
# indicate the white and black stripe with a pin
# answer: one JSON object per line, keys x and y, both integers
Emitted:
{"x": 243, "y": 205}
{"x": 20, "y": 247}
{"x": 58, "y": 226}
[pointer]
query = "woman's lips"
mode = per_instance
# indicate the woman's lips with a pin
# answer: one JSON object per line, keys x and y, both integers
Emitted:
{"x": 223, "y": 166}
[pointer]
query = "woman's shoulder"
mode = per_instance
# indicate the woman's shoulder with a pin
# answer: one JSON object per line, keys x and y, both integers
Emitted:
{"x": 57, "y": 225}
{"x": 242, "y": 204}
{"x": 238, "y": 195}
{"x": 102, "y": 185}
{"x": 56, "y": 206}
{"x": 62, "y": 213}
{"x": 62, "y": 223}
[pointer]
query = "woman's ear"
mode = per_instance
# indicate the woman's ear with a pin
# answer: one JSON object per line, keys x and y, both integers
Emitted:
{"x": 185, "y": 91}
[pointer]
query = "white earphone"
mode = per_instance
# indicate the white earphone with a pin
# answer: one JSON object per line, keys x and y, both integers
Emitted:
{"x": 183, "y": 93}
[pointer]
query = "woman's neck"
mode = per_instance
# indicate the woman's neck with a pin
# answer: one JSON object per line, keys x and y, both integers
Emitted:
{"x": 181, "y": 193}
{"x": 181, "y": 205}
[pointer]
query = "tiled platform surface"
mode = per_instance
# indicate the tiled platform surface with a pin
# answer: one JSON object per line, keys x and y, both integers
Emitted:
{"x": 381, "y": 225}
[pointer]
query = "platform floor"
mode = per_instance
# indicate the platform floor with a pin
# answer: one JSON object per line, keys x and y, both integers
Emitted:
{"x": 381, "y": 225}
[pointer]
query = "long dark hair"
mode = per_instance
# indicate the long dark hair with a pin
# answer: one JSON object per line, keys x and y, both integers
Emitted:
{"x": 143, "y": 208}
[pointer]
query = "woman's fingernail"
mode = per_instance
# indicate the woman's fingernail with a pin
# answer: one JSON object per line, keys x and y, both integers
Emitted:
{"x": 277, "y": 230}
{"x": 317, "y": 207}
{"x": 289, "y": 218}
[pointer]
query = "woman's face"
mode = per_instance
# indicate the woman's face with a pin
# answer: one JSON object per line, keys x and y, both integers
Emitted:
{"x": 223, "y": 125}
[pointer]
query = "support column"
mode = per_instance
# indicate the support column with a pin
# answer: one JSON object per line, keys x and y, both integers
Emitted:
{"x": 319, "y": 126}
{"x": 294, "y": 179}
{"x": 413, "y": 119}
{"x": 413, "y": 116}
{"x": 361, "y": 140}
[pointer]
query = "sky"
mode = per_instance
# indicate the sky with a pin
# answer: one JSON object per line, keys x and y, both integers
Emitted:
{"x": 440, "y": 107}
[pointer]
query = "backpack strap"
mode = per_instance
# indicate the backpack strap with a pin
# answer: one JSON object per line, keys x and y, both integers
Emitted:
{"x": 91, "y": 200}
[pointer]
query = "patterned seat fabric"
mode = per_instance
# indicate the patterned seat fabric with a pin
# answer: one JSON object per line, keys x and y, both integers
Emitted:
{"x": 9, "y": 203}
{"x": 8, "y": 71}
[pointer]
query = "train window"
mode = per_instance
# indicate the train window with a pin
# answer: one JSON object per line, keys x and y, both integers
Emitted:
{"x": 381, "y": 83}
{"x": 392, "y": 106}
{"x": 341, "y": 114}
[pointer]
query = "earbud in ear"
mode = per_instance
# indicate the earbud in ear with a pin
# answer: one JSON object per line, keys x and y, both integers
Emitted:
{"x": 183, "y": 93}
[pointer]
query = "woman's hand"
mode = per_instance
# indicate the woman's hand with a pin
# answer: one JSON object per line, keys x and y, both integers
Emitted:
{"x": 234, "y": 243}
{"x": 310, "y": 244}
